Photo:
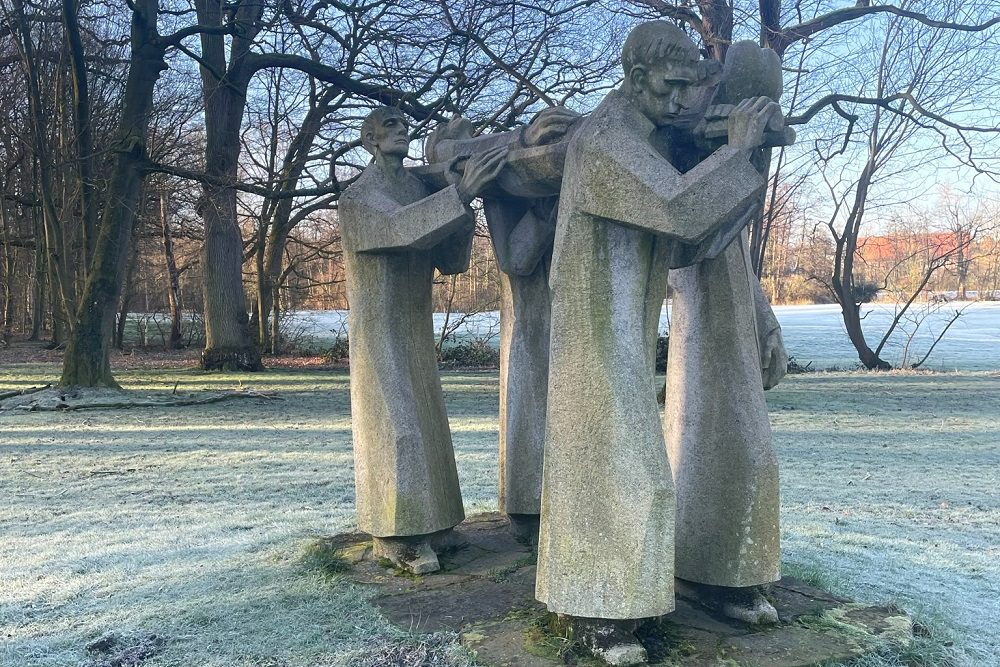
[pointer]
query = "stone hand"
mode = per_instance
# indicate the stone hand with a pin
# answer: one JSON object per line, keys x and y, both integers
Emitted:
{"x": 749, "y": 119}
{"x": 480, "y": 170}
{"x": 549, "y": 126}
{"x": 773, "y": 359}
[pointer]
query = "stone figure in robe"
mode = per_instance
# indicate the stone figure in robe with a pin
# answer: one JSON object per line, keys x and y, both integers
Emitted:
{"x": 396, "y": 231}
{"x": 725, "y": 349}
{"x": 626, "y": 214}
{"x": 521, "y": 223}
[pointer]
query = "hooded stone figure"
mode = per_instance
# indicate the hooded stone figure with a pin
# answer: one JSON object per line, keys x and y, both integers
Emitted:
{"x": 627, "y": 214}
{"x": 395, "y": 233}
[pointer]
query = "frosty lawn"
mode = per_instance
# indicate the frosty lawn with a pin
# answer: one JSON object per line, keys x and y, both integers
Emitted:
{"x": 191, "y": 523}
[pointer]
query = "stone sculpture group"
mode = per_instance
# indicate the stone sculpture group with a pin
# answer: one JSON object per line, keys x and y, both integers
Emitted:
{"x": 587, "y": 216}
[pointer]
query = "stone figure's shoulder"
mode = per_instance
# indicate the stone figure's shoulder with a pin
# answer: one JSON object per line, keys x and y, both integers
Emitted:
{"x": 368, "y": 183}
{"x": 604, "y": 131}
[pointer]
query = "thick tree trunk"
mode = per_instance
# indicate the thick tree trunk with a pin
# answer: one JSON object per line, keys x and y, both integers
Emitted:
{"x": 229, "y": 344}
{"x": 87, "y": 358}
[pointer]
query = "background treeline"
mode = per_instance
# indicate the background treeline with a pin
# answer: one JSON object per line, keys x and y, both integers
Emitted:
{"x": 187, "y": 156}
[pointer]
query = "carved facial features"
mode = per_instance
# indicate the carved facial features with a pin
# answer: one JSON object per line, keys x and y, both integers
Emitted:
{"x": 672, "y": 93}
{"x": 389, "y": 134}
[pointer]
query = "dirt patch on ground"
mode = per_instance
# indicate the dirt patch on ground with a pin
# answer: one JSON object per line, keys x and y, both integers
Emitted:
{"x": 485, "y": 593}
{"x": 137, "y": 359}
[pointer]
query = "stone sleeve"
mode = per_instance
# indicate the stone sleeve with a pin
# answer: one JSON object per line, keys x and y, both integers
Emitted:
{"x": 454, "y": 254}
{"x": 634, "y": 185}
{"x": 766, "y": 320}
{"x": 447, "y": 149}
{"x": 380, "y": 224}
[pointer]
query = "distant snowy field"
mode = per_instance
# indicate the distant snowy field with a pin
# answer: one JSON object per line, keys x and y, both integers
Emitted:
{"x": 812, "y": 333}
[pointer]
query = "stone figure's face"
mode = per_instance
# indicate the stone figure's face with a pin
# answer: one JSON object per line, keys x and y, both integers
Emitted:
{"x": 672, "y": 93}
{"x": 391, "y": 136}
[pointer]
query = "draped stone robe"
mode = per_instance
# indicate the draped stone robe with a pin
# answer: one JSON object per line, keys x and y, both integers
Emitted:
{"x": 606, "y": 543}
{"x": 518, "y": 216}
{"x": 716, "y": 423}
{"x": 522, "y": 240}
{"x": 395, "y": 231}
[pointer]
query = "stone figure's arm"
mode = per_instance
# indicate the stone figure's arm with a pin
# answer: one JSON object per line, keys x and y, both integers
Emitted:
{"x": 378, "y": 223}
{"x": 454, "y": 254}
{"x": 634, "y": 185}
{"x": 773, "y": 356}
{"x": 522, "y": 231}
{"x": 454, "y": 139}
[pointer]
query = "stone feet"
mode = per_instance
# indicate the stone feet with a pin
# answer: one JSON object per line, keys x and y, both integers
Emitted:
{"x": 746, "y": 604}
{"x": 417, "y": 554}
{"x": 524, "y": 528}
{"x": 413, "y": 554}
{"x": 613, "y": 641}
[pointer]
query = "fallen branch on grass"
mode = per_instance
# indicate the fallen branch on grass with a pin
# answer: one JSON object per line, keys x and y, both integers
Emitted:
{"x": 22, "y": 392}
{"x": 124, "y": 405}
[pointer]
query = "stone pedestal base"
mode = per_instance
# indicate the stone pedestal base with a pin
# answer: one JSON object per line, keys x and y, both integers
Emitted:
{"x": 485, "y": 591}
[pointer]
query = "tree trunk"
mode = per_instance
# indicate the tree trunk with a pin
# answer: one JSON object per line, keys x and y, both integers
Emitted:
{"x": 84, "y": 135}
{"x": 173, "y": 276}
{"x": 38, "y": 284}
{"x": 851, "y": 312}
{"x": 126, "y": 298}
{"x": 229, "y": 344}
{"x": 87, "y": 358}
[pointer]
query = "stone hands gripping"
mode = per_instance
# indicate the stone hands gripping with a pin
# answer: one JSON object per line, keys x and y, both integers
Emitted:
{"x": 749, "y": 121}
{"x": 480, "y": 170}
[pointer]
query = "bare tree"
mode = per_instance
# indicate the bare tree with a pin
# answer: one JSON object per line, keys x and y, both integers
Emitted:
{"x": 911, "y": 63}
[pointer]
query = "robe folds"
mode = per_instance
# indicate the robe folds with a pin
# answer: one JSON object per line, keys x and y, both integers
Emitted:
{"x": 395, "y": 233}
{"x": 716, "y": 423}
{"x": 606, "y": 541}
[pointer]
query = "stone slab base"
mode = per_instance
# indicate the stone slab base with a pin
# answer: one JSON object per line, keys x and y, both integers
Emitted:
{"x": 485, "y": 593}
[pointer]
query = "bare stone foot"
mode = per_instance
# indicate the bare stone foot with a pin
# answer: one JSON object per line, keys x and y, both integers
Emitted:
{"x": 413, "y": 554}
{"x": 746, "y": 604}
{"x": 613, "y": 641}
{"x": 446, "y": 540}
{"x": 524, "y": 528}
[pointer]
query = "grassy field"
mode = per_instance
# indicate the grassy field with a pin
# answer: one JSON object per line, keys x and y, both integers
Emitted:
{"x": 190, "y": 523}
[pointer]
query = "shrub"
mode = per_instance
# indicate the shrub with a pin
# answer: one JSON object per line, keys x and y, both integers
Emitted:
{"x": 339, "y": 351}
{"x": 662, "y": 344}
{"x": 476, "y": 353}
{"x": 865, "y": 291}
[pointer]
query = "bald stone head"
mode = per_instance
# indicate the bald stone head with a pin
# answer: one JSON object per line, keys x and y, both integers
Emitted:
{"x": 665, "y": 76}
{"x": 385, "y": 131}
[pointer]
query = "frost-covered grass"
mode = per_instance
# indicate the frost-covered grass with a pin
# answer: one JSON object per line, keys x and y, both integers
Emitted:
{"x": 192, "y": 523}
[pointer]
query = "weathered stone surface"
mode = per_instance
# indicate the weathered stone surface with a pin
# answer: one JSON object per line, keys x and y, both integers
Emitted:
{"x": 485, "y": 593}
{"x": 522, "y": 229}
{"x": 395, "y": 232}
{"x": 722, "y": 335}
{"x": 716, "y": 423}
{"x": 522, "y": 238}
{"x": 606, "y": 546}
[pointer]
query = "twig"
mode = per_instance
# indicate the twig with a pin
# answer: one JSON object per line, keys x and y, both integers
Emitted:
{"x": 21, "y": 392}
{"x": 94, "y": 473}
{"x": 65, "y": 407}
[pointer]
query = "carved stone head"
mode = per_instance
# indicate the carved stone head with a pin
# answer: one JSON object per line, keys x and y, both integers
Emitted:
{"x": 385, "y": 131}
{"x": 665, "y": 76}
